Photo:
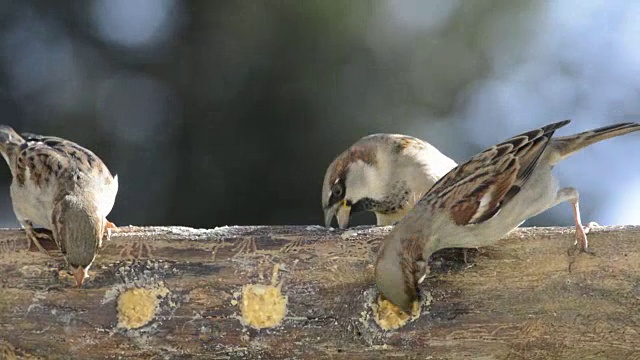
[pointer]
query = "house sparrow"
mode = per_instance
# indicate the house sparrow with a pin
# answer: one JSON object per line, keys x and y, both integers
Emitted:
{"x": 63, "y": 187}
{"x": 480, "y": 201}
{"x": 383, "y": 173}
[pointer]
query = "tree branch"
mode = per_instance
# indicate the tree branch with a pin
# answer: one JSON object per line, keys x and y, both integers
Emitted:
{"x": 201, "y": 293}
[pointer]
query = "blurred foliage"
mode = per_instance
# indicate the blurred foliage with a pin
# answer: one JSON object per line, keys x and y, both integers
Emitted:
{"x": 228, "y": 112}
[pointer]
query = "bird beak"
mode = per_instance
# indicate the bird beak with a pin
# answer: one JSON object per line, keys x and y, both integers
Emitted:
{"x": 80, "y": 274}
{"x": 344, "y": 211}
{"x": 406, "y": 307}
{"x": 328, "y": 216}
{"x": 341, "y": 211}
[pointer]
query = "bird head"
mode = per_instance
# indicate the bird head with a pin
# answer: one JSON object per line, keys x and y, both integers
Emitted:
{"x": 398, "y": 271}
{"x": 353, "y": 183}
{"x": 383, "y": 173}
{"x": 78, "y": 230}
{"x": 9, "y": 142}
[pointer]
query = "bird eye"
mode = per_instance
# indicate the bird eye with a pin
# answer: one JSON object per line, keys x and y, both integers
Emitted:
{"x": 337, "y": 191}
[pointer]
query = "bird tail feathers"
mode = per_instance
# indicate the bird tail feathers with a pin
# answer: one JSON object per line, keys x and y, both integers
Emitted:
{"x": 568, "y": 145}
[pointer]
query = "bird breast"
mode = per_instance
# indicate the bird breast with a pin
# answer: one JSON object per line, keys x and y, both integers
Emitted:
{"x": 32, "y": 202}
{"x": 105, "y": 195}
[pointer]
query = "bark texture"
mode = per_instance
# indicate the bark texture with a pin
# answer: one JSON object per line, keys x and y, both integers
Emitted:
{"x": 525, "y": 298}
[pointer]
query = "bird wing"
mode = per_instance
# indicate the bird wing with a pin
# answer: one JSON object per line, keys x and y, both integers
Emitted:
{"x": 475, "y": 191}
{"x": 41, "y": 162}
{"x": 77, "y": 156}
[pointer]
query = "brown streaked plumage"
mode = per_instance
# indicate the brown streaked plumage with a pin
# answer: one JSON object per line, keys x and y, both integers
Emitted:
{"x": 383, "y": 173}
{"x": 63, "y": 187}
{"x": 480, "y": 201}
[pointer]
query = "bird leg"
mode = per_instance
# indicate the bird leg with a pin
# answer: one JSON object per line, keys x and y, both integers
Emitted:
{"x": 108, "y": 226}
{"x": 572, "y": 196}
{"x": 33, "y": 237}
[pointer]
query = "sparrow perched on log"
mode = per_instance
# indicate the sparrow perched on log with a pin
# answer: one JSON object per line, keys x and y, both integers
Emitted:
{"x": 383, "y": 173}
{"x": 480, "y": 201}
{"x": 63, "y": 187}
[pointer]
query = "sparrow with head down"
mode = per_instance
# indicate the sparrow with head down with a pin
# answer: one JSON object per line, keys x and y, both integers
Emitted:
{"x": 63, "y": 187}
{"x": 480, "y": 201}
{"x": 382, "y": 173}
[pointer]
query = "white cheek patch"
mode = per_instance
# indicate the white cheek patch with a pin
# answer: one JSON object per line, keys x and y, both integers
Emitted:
{"x": 364, "y": 180}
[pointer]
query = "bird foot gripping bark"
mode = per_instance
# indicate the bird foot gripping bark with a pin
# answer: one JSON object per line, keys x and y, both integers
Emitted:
{"x": 34, "y": 238}
{"x": 108, "y": 227}
{"x": 581, "y": 243}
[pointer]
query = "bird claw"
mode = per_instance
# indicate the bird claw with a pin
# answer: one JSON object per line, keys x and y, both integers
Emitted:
{"x": 575, "y": 250}
{"x": 581, "y": 237}
{"x": 36, "y": 242}
{"x": 581, "y": 244}
{"x": 108, "y": 226}
{"x": 34, "y": 238}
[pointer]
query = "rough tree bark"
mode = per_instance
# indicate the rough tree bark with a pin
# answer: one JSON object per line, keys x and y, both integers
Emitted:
{"x": 516, "y": 300}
